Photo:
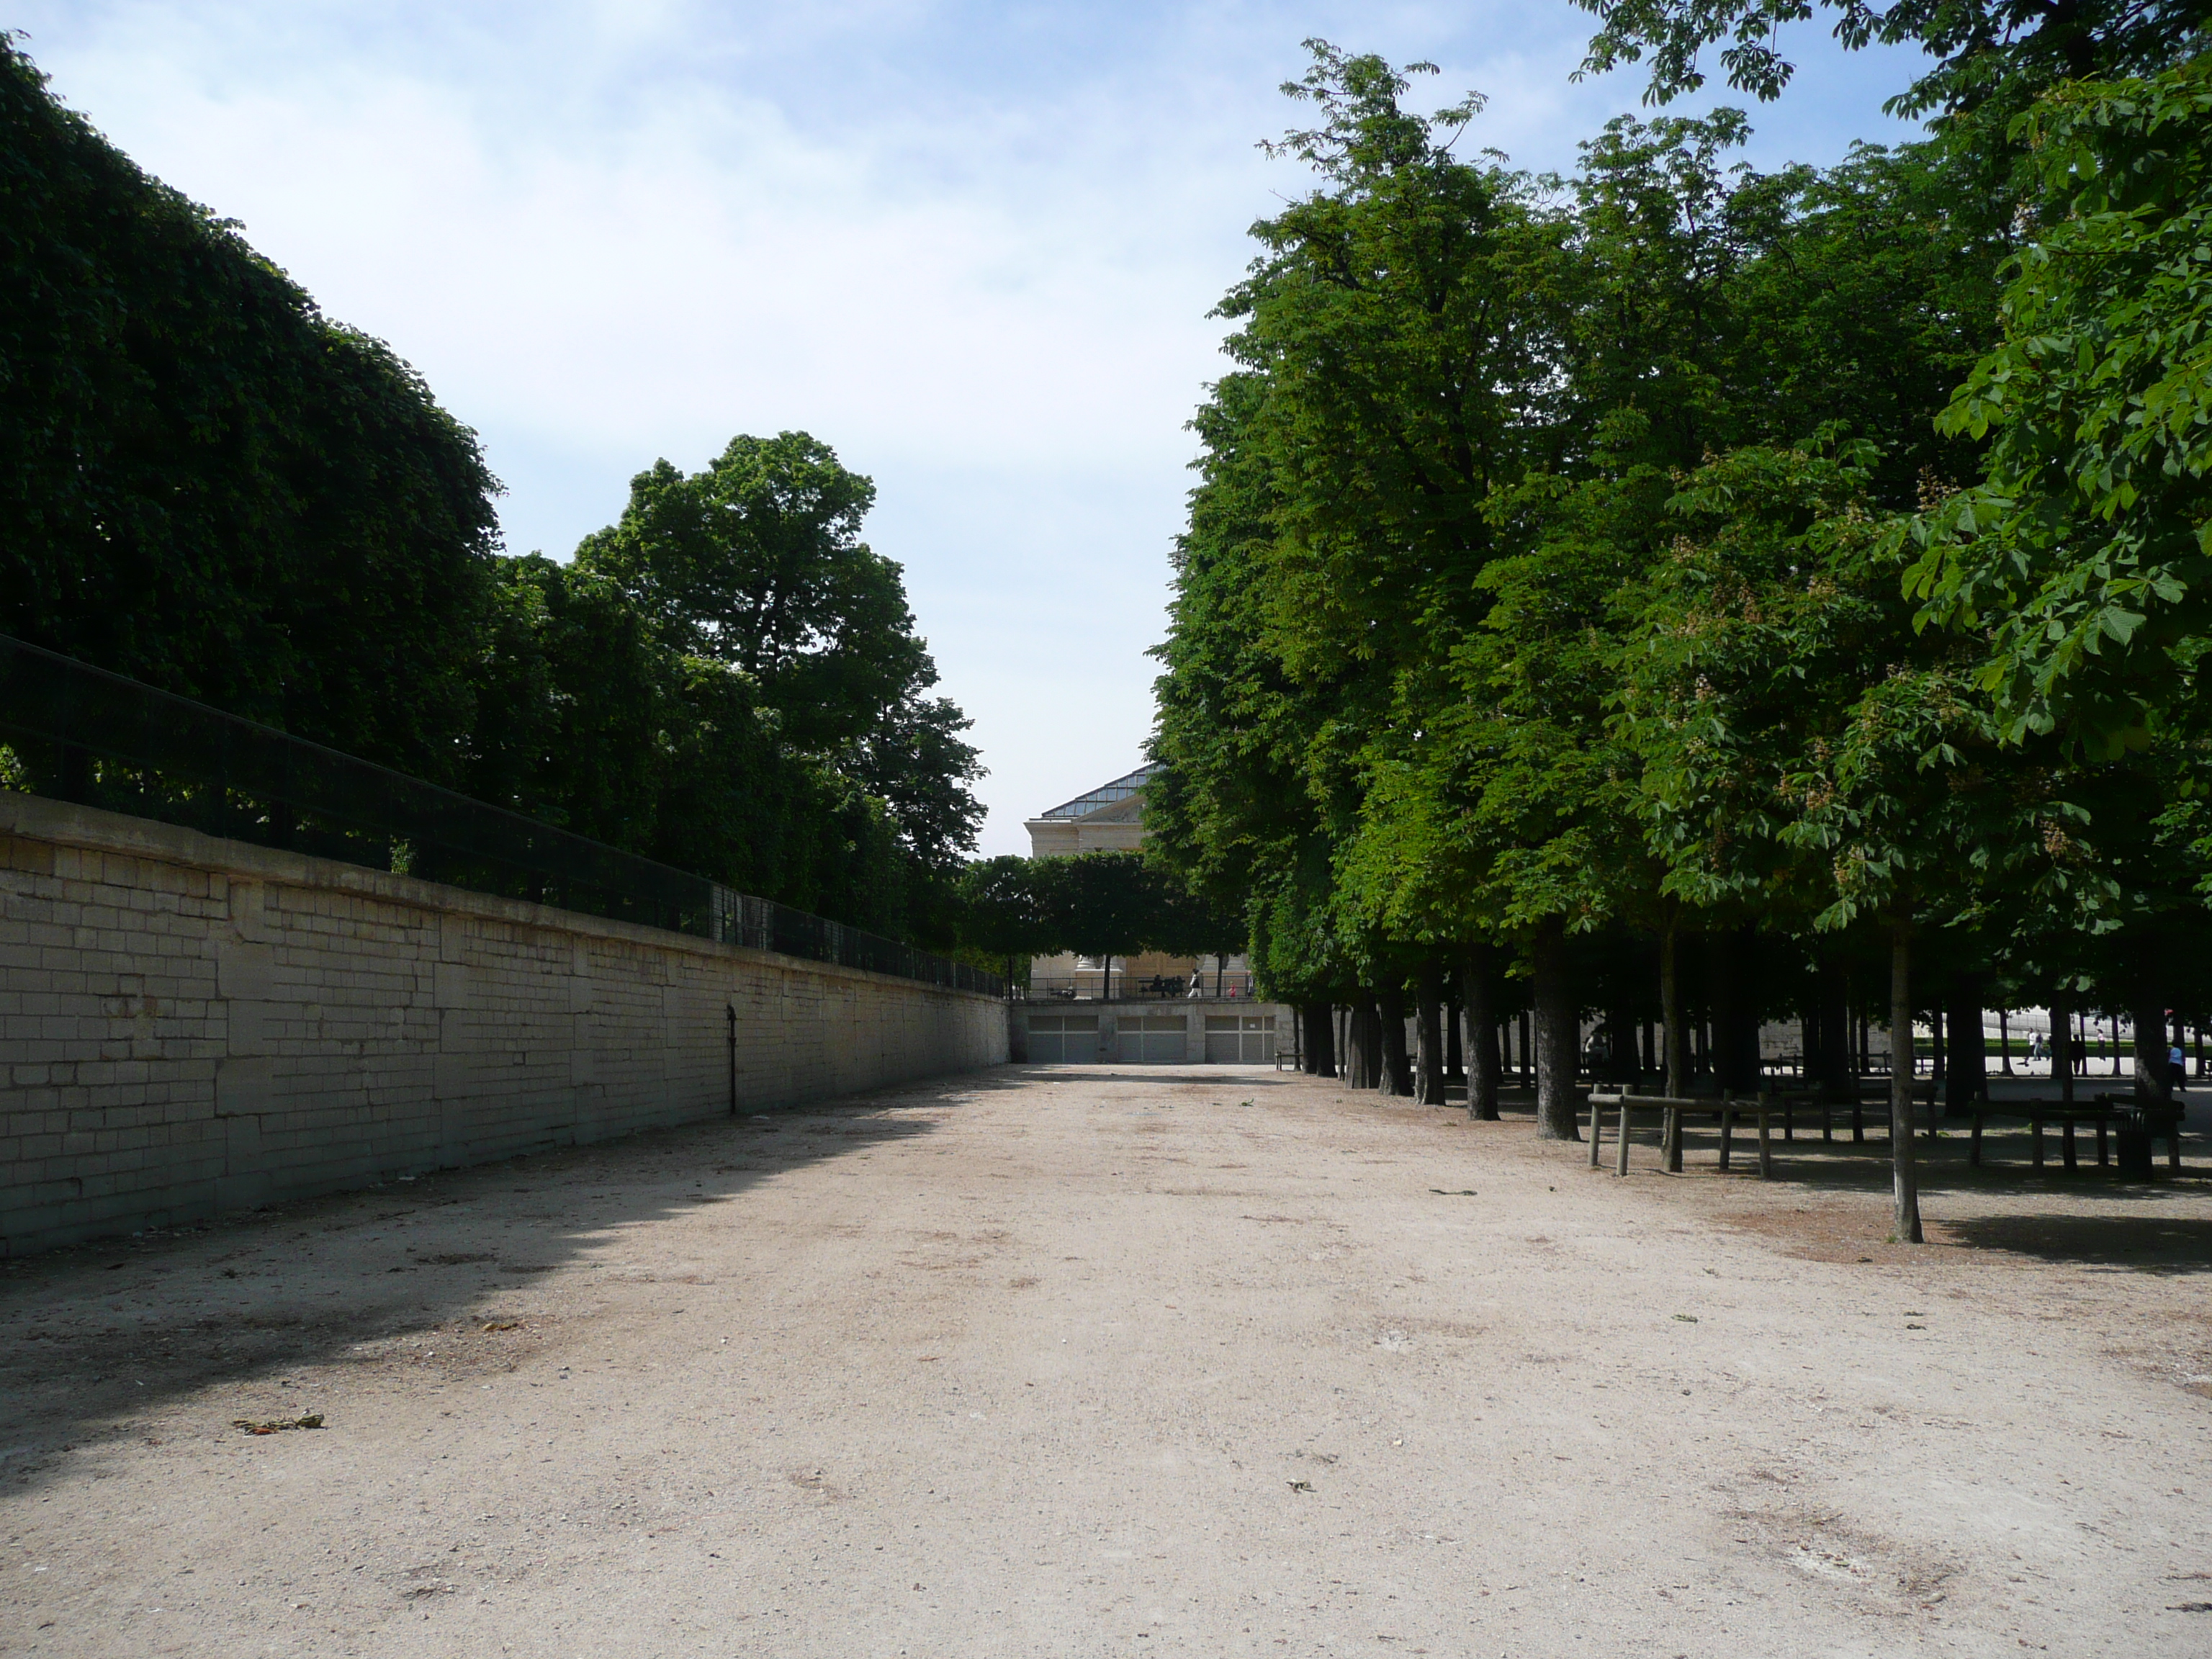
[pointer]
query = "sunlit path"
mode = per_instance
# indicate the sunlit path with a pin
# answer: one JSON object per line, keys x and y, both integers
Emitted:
{"x": 1121, "y": 1360}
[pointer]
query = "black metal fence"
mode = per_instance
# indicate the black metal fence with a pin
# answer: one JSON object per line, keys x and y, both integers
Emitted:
{"x": 80, "y": 733}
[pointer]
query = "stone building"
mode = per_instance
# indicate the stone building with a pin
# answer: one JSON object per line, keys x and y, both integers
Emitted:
{"x": 1151, "y": 1007}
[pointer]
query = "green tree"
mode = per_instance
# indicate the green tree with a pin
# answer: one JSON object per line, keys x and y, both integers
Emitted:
{"x": 2084, "y": 553}
{"x": 207, "y": 485}
{"x": 757, "y": 561}
{"x": 1982, "y": 48}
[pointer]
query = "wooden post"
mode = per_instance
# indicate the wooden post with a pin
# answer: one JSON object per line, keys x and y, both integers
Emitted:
{"x": 1620, "y": 1152}
{"x": 2103, "y": 1151}
{"x": 1597, "y": 1126}
{"x": 2037, "y": 1138}
{"x": 1974, "y": 1154}
{"x": 1728, "y": 1132}
{"x": 1766, "y": 1152}
{"x": 1671, "y": 1137}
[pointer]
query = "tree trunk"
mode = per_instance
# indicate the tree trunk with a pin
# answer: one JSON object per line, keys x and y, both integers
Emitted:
{"x": 1966, "y": 1079}
{"x": 1672, "y": 1013}
{"x": 2151, "y": 1077}
{"x": 1428, "y": 1037}
{"x": 1619, "y": 1049}
{"x": 1455, "y": 1052}
{"x": 1320, "y": 1039}
{"x": 1558, "y": 1116}
{"x": 1838, "y": 1076}
{"x": 1397, "y": 1070}
{"x": 1482, "y": 1057}
{"x": 1735, "y": 1014}
{"x": 1905, "y": 1177}
{"x": 2062, "y": 1048}
{"x": 1366, "y": 1056}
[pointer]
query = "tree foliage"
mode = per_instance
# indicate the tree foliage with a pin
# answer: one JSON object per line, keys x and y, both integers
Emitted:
{"x": 207, "y": 485}
{"x": 1813, "y": 562}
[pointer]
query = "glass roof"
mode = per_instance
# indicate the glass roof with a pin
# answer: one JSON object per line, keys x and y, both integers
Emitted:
{"x": 1105, "y": 795}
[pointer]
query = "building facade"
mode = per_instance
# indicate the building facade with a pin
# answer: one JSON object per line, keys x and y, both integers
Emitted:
{"x": 1152, "y": 1008}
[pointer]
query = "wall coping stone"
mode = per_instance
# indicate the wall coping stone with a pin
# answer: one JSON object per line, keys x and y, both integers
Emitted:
{"x": 34, "y": 817}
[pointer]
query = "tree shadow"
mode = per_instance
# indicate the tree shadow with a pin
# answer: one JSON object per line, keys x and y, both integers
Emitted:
{"x": 1942, "y": 1164}
{"x": 1190, "y": 1072}
{"x": 99, "y": 1342}
{"x": 2140, "y": 1243}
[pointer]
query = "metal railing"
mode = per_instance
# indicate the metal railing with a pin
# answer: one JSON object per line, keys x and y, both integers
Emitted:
{"x": 1090, "y": 986}
{"x": 82, "y": 734}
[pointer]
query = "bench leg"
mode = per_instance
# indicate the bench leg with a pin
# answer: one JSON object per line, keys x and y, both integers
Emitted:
{"x": 1828, "y": 1121}
{"x": 2066, "y": 1144}
{"x": 1790, "y": 1123}
{"x": 1974, "y": 1155}
{"x": 2037, "y": 1122}
{"x": 1673, "y": 1136}
{"x": 1620, "y": 1150}
{"x": 1766, "y": 1152}
{"x": 2104, "y": 1157}
{"x": 1858, "y": 1121}
{"x": 2174, "y": 1149}
{"x": 1728, "y": 1135}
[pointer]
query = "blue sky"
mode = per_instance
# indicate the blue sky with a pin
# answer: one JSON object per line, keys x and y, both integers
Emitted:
{"x": 972, "y": 246}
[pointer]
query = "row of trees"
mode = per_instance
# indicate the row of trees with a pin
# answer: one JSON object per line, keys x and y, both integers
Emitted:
{"x": 1675, "y": 589}
{"x": 207, "y": 485}
{"x": 1101, "y": 904}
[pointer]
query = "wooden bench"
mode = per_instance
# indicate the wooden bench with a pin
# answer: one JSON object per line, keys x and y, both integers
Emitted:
{"x": 2040, "y": 1112}
{"x": 1765, "y": 1107}
{"x": 1789, "y": 1102}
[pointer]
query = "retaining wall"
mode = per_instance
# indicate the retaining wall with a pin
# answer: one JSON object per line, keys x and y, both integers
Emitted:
{"x": 189, "y": 1025}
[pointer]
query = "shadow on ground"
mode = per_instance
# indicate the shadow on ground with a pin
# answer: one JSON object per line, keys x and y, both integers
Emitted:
{"x": 2165, "y": 1244}
{"x": 99, "y": 1340}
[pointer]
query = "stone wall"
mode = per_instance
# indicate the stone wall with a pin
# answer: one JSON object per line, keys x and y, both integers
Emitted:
{"x": 189, "y": 1025}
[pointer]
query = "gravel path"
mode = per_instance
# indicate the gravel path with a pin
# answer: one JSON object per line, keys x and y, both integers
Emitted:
{"x": 1123, "y": 1361}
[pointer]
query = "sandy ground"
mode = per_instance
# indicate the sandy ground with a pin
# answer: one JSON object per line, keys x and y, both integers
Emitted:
{"x": 1125, "y": 1361}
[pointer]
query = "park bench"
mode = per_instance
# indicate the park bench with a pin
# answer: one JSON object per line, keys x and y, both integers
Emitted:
{"x": 2038, "y": 1113}
{"x": 1673, "y": 1111}
{"x": 1923, "y": 1094}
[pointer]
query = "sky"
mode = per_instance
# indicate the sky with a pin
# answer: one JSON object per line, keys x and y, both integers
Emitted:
{"x": 973, "y": 247}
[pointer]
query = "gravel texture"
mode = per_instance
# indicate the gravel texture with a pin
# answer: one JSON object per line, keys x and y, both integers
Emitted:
{"x": 1125, "y": 1361}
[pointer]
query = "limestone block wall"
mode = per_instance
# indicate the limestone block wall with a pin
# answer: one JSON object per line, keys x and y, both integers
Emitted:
{"x": 189, "y": 1025}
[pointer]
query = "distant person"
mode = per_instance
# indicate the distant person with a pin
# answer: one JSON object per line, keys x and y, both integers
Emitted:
{"x": 2176, "y": 1070}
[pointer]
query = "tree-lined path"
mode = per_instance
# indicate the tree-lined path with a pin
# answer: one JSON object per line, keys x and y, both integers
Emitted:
{"x": 1123, "y": 1361}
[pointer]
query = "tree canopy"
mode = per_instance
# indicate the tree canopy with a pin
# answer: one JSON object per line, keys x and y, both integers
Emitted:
{"x": 207, "y": 485}
{"x": 1809, "y": 563}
